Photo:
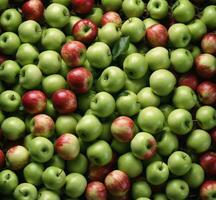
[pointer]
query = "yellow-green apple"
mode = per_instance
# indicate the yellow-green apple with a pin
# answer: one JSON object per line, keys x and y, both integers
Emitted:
{"x": 140, "y": 188}
{"x": 25, "y": 190}
{"x": 133, "y": 8}
{"x": 207, "y": 16}
{"x": 96, "y": 15}
{"x": 158, "y": 9}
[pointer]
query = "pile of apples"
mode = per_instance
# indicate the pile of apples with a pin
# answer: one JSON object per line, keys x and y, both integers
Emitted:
{"x": 107, "y": 100}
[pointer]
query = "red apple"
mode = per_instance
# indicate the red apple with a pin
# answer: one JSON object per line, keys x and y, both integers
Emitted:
{"x": 2, "y": 159}
{"x": 74, "y": 53}
{"x": 111, "y": 17}
{"x": 117, "y": 183}
{"x": 82, "y": 6}
{"x": 96, "y": 191}
{"x": 207, "y": 93}
{"x": 34, "y": 101}
{"x": 213, "y": 136}
{"x": 208, "y": 43}
{"x": 208, "y": 163}
{"x": 85, "y": 31}
{"x": 42, "y": 125}
{"x": 80, "y": 80}
{"x": 33, "y": 10}
{"x": 208, "y": 190}
{"x": 2, "y": 58}
{"x": 64, "y": 101}
{"x": 123, "y": 129}
{"x": 67, "y": 146}
{"x": 189, "y": 79}
{"x": 157, "y": 35}
{"x": 205, "y": 65}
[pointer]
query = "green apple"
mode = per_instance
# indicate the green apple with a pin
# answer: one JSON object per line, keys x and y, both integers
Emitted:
{"x": 10, "y": 101}
{"x": 9, "y": 71}
{"x": 120, "y": 147}
{"x": 10, "y": 19}
{"x": 106, "y": 134}
{"x": 195, "y": 50}
{"x": 146, "y": 97}
{"x": 183, "y": 11}
{"x": 166, "y": 109}
{"x": 52, "y": 34}
{"x": 13, "y": 128}
{"x": 52, "y": 83}
{"x": 135, "y": 66}
{"x": 29, "y": 173}
{"x": 197, "y": 29}
{"x": 158, "y": 9}
{"x": 155, "y": 157}
{"x": 112, "y": 79}
{"x": 56, "y": 15}
{"x": 127, "y": 103}
{"x": 208, "y": 16}
{"x": 159, "y": 196}
{"x": 109, "y": 33}
{"x": 179, "y": 163}
{"x": 27, "y": 54}
{"x": 77, "y": 165}
{"x": 56, "y": 161}
{"x": 158, "y": 58}
{"x": 99, "y": 153}
{"x": 41, "y": 149}
{"x": 177, "y": 189}
{"x": 140, "y": 188}
{"x": 29, "y": 31}
{"x": 134, "y": 28}
{"x": 112, "y": 5}
{"x": 99, "y": 55}
{"x": 205, "y": 116}
{"x": 75, "y": 185}
{"x": 149, "y": 22}
{"x": 4, "y": 4}
{"x": 162, "y": 82}
{"x": 102, "y": 104}
{"x": 135, "y": 85}
{"x": 133, "y": 8}
{"x": 195, "y": 176}
{"x": 180, "y": 121}
{"x": 63, "y": 2}
{"x": 49, "y": 62}
{"x": 45, "y": 194}
{"x": 151, "y": 120}
{"x": 84, "y": 100}
{"x": 127, "y": 160}
{"x": 9, "y": 43}
{"x": 199, "y": 141}
{"x": 184, "y": 97}
{"x": 8, "y": 181}
{"x": 157, "y": 173}
{"x": 181, "y": 60}
{"x": 50, "y": 110}
{"x": 54, "y": 178}
{"x": 179, "y": 35}
{"x": 2, "y": 117}
{"x": 96, "y": 15}
{"x": 89, "y": 128}
{"x": 69, "y": 26}
{"x": 25, "y": 191}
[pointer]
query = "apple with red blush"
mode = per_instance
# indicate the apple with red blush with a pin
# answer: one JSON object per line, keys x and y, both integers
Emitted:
{"x": 208, "y": 190}
{"x": 2, "y": 159}
{"x": 208, "y": 163}
{"x": 208, "y": 43}
{"x": 111, "y": 17}
{"x": 82, "y": 6}
{"x": 96, "y": 190}
{"x": 189, "y": 79}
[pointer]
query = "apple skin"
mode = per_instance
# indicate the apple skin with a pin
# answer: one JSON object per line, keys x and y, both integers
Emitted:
{"x": 157, "y": 35}
{"x": 111, "y": 17}
{"x": 208, "y": 43}
{"x": 64, "y": 101}
{"x": 82, "y": 6}
{"x": 205, "y": 65}
{"x": 213, "y": 136}
{"x": 190, "y": 80}
{"x": 2, "y": 58}
{"x": 208, "y": 15}
{"x": 117, "y": 183}
{"x": 208, "y": 189}
{"x": 69, "y": 26}
{"x": 132, "y": 8}
{"x": 208, "y": 163}
{"x": 2, "y": 159}
{"x": 67, "y": 146}
{"x": 143, "y": 146}
{"x": 45, "y": 194}
{"x": 96, "y": 190}
{"x": 74, "y": 53}
{"x": 158, "y": 9}
{"x": 85, "y": 31}
{"x": 140, "y": 189}
{"x": 33, "y": 10}
{"x": 23, "y": 188}
{"x": 80, "y": 80}
{"x": 17, "y": 157}
{"x": 96, "y": 15}
{"x": 207, "y": 93}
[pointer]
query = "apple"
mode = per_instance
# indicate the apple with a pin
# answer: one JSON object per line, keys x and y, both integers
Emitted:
{"x": 96, "y": 15}
{"x": 133, "y": 8}
{"x": 158, "y": 9}
{"x": 194, "y": 49}
{"x": 74, "y": 53}
{"x": 213, "y": 136}
{"x": 208, "y": 15}
{"x": 80, "y": 80}
{"x": 207, "y": 161}
{"x": 17, "y": 157}
{"x": 50, "y": 110}
{"x": 140, "y": 189}
{"x": 207, "y": 190}
{"x": 117, "y": 183}
{"x": 25, "y": 190}
{"x": 148, "y": 22}
{"x": 4, "y": 4}
{"x": 143, "y": 146}
{"x": 208, "y": 43}
{"x": 111, "y": 17}
{"x": 111, "y": 5}
{"x": 45, "y": 194}
{"x": 73, "y": 19}
{"x": 56, "y": 161}
{"x": 159, "y": 196}
{"x": 33, "y": 10}
{"x": 205, "y": 65}
{"x": 85, "y": 31}
{"x": 96, "y": 190}
{"x": 189, "y": 79}
{"x": 82, "y": 6}
{"x": 207, "y": 93}
{"x": 63, "y": 2}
